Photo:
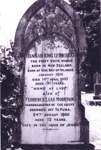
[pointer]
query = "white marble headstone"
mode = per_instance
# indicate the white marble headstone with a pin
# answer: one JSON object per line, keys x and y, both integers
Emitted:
{"x": 48, "y": 115}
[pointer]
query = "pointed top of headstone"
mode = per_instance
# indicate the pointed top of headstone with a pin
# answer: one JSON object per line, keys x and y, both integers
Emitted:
{"x": 97, "y": 77}
{"x": 45, "y": 42}
{"x": 96, "y": 73}
{"x": 55, "y": 1}
{"x": 63, "y": 8}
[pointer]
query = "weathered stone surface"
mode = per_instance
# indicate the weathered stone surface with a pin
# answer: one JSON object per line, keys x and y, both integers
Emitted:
{"x": 63, "y": 20}
{"x": 50, "y": 87}
{"x": 49, "y": 49}
{"x": 97, "y": 78}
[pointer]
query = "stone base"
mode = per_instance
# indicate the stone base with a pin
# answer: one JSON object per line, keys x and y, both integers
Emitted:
{"x": 97, "y": 97}
{"x": 57, "y": 147}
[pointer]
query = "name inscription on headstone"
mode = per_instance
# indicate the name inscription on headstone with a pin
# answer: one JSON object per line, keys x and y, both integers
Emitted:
{"x": 49, "y": 97}
{"x": 49, "y": 45}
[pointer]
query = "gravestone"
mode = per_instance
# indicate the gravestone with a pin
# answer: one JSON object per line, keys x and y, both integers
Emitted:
{"x": 97, "y": 85}
{"x": 48, "y": 43}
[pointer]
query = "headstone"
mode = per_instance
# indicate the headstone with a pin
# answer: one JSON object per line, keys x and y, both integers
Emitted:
{"x": 47, "y": 47}
{"x": 97, "y": 78}
{"x": 97, "y": 85}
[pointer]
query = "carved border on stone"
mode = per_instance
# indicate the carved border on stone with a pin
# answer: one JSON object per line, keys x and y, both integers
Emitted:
{"x": 49, "y": 19}
{"x": 21, "y": 39}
